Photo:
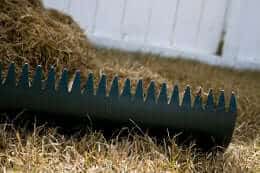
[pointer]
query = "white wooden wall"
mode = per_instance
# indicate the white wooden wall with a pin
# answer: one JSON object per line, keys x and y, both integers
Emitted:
{"x": 243, "y": 32}
{"x": 192, "y": 29}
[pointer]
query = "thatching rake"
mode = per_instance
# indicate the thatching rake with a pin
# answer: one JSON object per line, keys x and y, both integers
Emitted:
{"x": 212, "y": 124}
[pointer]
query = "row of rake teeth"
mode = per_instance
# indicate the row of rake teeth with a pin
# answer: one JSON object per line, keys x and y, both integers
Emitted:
{"x": 151, "y": 98}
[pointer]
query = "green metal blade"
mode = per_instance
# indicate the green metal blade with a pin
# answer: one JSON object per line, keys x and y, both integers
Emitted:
{"x": 213, "y": 125}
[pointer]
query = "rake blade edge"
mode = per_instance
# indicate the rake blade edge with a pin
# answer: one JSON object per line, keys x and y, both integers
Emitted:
{"x": 214, "y": 124}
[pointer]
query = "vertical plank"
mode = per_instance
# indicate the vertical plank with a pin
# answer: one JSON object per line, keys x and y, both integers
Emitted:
{"x": 88, "y": 14}
{"x": 161, "y": 22}
{"x": 211, "y": 25}
{"x": 66, "y": 6}
{"x": 109, "y": 18}
{"x": 187, "y": 24}
{"x": 232, "y": 37}
{"x": 249, "y": 49}
{"x": 58, "y": 5}
{"x": 136, "y": 20}
{"x": 83, "y": 12}
{"x": 75, "y": 9}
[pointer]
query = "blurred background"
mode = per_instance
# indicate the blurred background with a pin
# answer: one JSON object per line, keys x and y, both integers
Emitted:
{"x": 223, "y": 32}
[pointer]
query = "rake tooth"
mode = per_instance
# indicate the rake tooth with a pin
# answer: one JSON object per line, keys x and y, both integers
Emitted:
{"x": 126, "y": 93}
{"x": 1, "y": 67}
{"x": 10, "y": 79}
{"x": 151, "y": 93}
{"x": 101, "y": 91}
{"x": 163, "y": 95}
{"x": 186, "y": 102}
{"x": 89, "y": 88}
{"x": 139, "y": 92}
{"x": 63, "y": 83}
{"x": 114, "y": 91}
{"x": 37, "y": 79}
{"x": 233, "y": 103}
{"x": 221, "y": 102}
{"x": 198, "y": 102}
{"x": 24, "y": 78}
{"x": 175, "y": 99}
{"x": 50, "y": 83}
{"x": 210, "y": 101}
{"x": 76, "y": 84}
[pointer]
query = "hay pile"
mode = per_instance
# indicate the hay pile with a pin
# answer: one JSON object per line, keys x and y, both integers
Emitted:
{"x": 29, "y": 33}
{"x": 35, "y": 35}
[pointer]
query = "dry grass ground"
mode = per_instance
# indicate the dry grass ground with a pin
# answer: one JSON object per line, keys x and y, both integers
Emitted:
{"x": 29, "y": 33}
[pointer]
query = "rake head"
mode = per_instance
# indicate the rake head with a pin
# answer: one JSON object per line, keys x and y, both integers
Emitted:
{"x": 209, "y": 124}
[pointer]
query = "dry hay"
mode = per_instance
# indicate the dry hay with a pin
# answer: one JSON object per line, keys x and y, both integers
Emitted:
{"x": 32, "y": 34}
{"x": 29, "y": 33}
{"x": 44, "y": 150}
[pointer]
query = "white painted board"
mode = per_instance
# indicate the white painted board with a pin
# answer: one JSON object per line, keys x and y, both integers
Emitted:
{"x": 232, "y": 37}
{"x": 211, "y": 25}
{"x": 60, "y": 5}
{"x": 109, "y": 18}
{"x": 136, "y": 20}
{"x": 86, "y": 14}
{"x": 187, "y": 24}
{"x": 249, "y": 49}
{"x": 162, "y": 22}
